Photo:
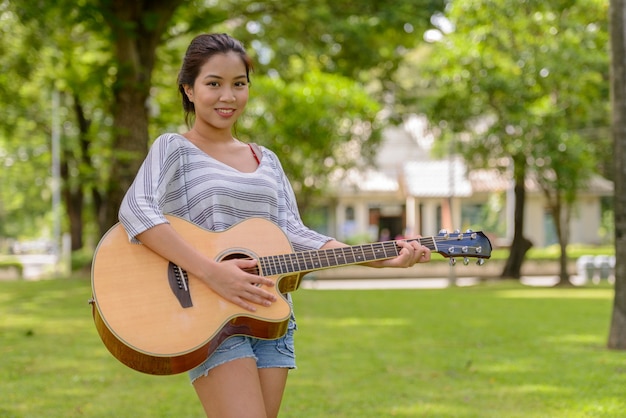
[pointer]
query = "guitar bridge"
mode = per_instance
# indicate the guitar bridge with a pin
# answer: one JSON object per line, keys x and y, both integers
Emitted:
{"x": 179, "y": 283}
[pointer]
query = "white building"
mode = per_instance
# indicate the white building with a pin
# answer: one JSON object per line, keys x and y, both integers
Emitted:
{"x": 408, "y": 193}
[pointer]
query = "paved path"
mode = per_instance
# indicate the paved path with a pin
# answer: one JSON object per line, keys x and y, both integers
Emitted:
{"x": 432, "y": 283}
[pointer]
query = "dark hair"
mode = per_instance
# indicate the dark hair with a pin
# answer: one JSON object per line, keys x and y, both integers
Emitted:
{"x": 201, "y": 48}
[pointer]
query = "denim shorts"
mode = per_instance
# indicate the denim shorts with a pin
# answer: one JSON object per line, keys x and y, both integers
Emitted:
{"x": 267, "y": 353}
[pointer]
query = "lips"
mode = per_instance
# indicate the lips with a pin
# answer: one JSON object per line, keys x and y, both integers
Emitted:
{"x": 225, "y": 112}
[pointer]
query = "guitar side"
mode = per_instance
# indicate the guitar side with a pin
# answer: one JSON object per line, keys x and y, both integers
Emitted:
{"x": 144, "y": 325}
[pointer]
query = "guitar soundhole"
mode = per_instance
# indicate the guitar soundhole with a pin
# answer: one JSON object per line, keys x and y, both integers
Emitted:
{"x": 235, "y": 256}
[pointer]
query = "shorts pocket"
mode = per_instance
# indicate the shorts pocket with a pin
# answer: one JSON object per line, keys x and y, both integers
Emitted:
{"x": 285, "y": 344}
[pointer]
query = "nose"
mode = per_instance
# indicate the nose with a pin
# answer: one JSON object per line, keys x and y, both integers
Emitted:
{"x": 227, "y": 96}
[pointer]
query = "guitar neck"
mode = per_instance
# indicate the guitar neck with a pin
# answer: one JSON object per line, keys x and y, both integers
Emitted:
{"x": 307, "y": 261}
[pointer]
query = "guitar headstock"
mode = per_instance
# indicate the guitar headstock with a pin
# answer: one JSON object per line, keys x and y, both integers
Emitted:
{"x": 469, "y": 244}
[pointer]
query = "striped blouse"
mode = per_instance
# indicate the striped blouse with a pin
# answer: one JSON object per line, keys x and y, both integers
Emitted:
{"x": 178, "y": 178}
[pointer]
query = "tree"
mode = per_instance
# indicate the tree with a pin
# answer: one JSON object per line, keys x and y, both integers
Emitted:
{"x": 137, "y": 28}
{"x": 27, "y": 81}
{"x": 105, "y": 55}
{"x": 617, "y": 333}
{"x": 74, "y": 64}
{"x": 502, "y": 83}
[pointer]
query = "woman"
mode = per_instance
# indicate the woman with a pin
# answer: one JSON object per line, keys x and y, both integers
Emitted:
{"x": 212, "y": 179}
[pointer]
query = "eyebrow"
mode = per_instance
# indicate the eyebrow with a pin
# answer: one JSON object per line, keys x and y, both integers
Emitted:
{"x": 221, "y": 78}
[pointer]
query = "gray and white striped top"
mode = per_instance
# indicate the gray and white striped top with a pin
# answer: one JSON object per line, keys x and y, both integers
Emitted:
{"x": 178, "y": 178}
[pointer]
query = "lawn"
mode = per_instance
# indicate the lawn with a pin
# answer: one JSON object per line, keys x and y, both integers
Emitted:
{"x": 494, "y": 350}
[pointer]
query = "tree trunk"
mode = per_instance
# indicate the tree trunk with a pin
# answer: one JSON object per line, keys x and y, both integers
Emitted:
{"x": 563, "y": 273}
{"x": 73, "y": 194}
{"x": 520, "y": 245}
{"x": 617, "y": 333}
{"x": 560, "y": 214}
{"x": 137, "y": 28}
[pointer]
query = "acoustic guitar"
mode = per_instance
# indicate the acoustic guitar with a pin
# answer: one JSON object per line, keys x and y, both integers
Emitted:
{"x": 157, "y": 319}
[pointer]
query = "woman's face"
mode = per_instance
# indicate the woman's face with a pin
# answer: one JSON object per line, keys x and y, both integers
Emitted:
{"x": 220, "y": 92}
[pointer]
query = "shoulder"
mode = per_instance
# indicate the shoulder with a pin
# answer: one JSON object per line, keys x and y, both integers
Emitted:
{"x": 268, "y": 153}
{"x": 167, "y": 139}
{"x": 169, "y": 144}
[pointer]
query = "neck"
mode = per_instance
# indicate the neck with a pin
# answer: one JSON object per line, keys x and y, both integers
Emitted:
{"x": 204, "y": 135}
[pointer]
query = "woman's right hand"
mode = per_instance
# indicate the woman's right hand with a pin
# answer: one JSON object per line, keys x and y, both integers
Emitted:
{"x": 230, "y": 280}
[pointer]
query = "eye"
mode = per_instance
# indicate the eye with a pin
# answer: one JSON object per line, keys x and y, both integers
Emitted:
{"x": 213, "y": 84}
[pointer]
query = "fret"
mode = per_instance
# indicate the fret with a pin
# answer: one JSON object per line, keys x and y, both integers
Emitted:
{"x": 274, "y": 265}
{"x": 325, "y": 261}
{"x": 349, "y": 255}
{"x": 315, "y": 260}
{"x": 359, "y": 253}
{"x": 373, "y": 252}
{"x": 301, "y": 261}
{"x": 332, "y": 258}
{"x": 391, "y": 249}
{"x": 339, "y": 256}
{"x": 283, "y": 264}
{"x": 264, "y": 262}
{"x": 292, "y": 260}
{"x": 309, "y": 260}
{"x": 368, "y": 252}
{"x": 388, "y": 248}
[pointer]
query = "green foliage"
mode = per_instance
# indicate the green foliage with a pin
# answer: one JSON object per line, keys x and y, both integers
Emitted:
{"x": 318, "y": 125}
{"x": 496, "y": 350}
{"x": 505, "y": 76}
{"x": 359, "y": 40}
{"x": 40, "y": 58}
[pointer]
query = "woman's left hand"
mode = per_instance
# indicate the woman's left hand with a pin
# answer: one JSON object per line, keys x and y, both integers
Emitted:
{"x": 411, "y": 252}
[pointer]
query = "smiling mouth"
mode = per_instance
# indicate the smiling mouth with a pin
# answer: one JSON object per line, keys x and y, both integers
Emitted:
{"x": 225, "y": 112}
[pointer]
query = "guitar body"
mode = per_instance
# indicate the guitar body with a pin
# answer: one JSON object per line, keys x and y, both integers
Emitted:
{"x": 144, "y": 324}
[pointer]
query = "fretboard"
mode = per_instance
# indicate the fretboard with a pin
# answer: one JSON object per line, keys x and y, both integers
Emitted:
{"x": 306, "y": 261}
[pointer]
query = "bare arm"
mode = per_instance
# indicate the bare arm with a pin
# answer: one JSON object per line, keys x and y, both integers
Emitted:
{"x": 227, "y": 278}
{"x": 412, "y": 252}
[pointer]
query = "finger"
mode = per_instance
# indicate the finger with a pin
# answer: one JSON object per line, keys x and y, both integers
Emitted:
{"x": 259, "y": 296}
{"x": 243, "y": 304}
{"x": 245, "y": 263}
{"x": 263, "y": 281}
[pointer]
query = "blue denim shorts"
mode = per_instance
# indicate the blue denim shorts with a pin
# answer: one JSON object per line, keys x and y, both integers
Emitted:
{"x": 267, "y": 353}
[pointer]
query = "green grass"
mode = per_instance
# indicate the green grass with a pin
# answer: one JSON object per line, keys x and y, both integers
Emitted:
{"x": 553, "y": 252}
{"x": 495, "y": 350}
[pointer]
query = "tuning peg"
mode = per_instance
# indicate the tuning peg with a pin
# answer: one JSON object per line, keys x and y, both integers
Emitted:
{"x": 443, "y": 231}
{"x": 469, "y": 231}
{"x": 480, "y": 261}
{"x": 452, "y": 261}
{"x": 465, "y": 261}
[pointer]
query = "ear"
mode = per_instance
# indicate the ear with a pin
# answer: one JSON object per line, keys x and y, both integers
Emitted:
{"x": 188, "y": 91}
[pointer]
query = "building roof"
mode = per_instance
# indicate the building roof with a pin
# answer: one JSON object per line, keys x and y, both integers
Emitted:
{"x": 369, "y": 180}
{"x": 442, "y": 178}
{"x": 490, "y": 180}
